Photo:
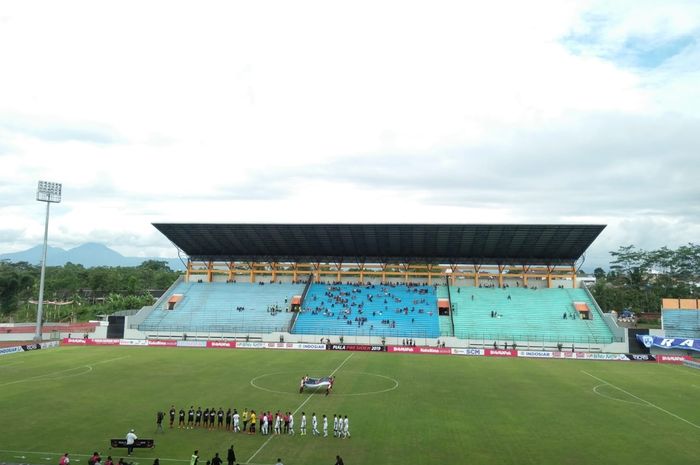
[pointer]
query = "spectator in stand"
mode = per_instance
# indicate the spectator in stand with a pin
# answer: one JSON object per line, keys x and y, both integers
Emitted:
{"x": 109, "y": 460}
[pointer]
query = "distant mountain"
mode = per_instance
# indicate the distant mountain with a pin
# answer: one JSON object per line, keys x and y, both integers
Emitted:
{"x": 89, "y": 255}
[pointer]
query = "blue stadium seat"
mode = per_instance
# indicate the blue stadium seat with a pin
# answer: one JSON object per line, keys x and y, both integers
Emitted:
{"x": 225, "y": 307}
{"x": 369, "y": 310}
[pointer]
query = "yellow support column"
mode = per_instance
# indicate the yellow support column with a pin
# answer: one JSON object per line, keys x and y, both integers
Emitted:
{"x": 188, "y": 272}
{"x": 524, "y": 275}
{"x": 476, "y": 275}
{"x": 500, "y": 275}
{"x": 573, "y": 277}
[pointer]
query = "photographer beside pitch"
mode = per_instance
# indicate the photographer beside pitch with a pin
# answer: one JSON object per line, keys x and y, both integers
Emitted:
{"x": 130, "y": 439}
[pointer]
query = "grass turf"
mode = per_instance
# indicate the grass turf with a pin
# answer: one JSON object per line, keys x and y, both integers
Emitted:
{"x": 444, "y": 410}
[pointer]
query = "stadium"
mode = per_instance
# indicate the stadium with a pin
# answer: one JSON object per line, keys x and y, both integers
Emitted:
{"x": 443, "y": 343}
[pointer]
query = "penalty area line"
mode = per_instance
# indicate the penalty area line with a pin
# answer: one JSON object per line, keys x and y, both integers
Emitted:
{"x": 297, "y": 409}
{"x": 642, "y": 400}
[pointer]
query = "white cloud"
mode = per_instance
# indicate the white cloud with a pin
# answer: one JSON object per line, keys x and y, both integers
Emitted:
{"x": 293, "y": 111}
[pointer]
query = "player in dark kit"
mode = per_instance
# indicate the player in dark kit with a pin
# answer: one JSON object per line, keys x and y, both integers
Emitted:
{"x": 228, "y": 419}
{"x": 220, "y": 417}
{"x": 198, "y": 418}
{"x": 190, "y": 417}
{"x": 172, "y": 415}
{"x": 212, "y": 418}
{"x": 181, "y": 421}
{"x": 205, "y": 418}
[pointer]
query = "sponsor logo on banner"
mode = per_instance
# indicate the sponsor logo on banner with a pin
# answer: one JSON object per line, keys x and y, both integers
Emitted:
{"x": 647, "y": 340}
{"x": 476, "y": 352}
{"x": 133, "y": 342}
{"x": 501, "y": 353}
{"x": 677, "y": 359}
{"x": 50, "y": 344}
{"x": 105, "y": 342}
{"x": 356, "y": 347}
{"x": 29, "y": 347}
{"x": 251, "y": 345}
{"x": 618, "y": 357}
{"x": 581, "y": 355}
{"x": 640, "y": 357}
{"x": 222, "y": 344}
{"x": 74, "y": 340}
{"x": 191, "y": 343}
{"x": 162, "y": 343}
{"x": 434, "y": 350}
{"x": 402, "y": 349}
{"x": 310, "y": 346}
{"x": 535, "y": 354}
{"x": 10, "y": 350}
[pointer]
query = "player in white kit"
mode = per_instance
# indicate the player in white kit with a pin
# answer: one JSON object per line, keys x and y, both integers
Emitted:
{"x": 346, "y": 427}
{"x": 264, "y": 424}
{"x": 236, "y": 422}
{"x": 303, "y": 424}
{"x": 291, "y": 423}
{"x": 325, "y": 426}
{"x": 278, "y": 422}
{"x": 314, "y": 424}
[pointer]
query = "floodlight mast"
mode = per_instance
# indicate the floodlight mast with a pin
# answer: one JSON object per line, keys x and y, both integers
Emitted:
{"x": 49, "y": 192}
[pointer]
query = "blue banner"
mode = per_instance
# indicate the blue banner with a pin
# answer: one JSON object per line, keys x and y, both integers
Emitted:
{"x": 669, "y": 342}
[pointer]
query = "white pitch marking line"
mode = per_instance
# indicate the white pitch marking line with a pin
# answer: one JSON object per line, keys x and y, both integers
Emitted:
{"x": 298, "y": 408}
{"x": 58, "y": 454}
{"x": 645, "y": 401}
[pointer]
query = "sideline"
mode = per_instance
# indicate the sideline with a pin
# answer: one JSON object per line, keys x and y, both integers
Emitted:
{"x": 59, "y": 454}
{"x": 295, "y": 411}
{"x": 643, "y": 400}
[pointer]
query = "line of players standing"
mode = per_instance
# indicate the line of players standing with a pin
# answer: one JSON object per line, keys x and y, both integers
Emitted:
{"x": 231, "y": 420}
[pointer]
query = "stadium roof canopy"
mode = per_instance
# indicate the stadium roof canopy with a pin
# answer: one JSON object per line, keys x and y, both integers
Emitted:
{"x": 384, "y": 243}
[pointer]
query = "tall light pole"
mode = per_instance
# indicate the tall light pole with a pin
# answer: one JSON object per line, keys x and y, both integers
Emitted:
{"x": 49, "y": 192}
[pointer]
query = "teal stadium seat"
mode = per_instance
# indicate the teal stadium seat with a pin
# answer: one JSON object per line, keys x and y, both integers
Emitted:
{"x": 529, "y": 315}
{"x": 681, "y": 323}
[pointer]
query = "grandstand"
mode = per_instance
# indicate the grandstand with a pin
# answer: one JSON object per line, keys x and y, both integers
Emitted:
{"x": 382, "y": 281}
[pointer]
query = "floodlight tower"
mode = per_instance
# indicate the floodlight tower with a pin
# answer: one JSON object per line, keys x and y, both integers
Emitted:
{"x": 49, "y": 192}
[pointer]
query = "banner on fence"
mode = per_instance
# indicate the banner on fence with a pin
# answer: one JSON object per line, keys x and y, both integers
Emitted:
{"x": 357, "y": 347}
{"x": 669, "y": 342}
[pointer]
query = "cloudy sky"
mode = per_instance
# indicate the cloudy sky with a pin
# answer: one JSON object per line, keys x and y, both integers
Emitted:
{"x": 466, "y": 112}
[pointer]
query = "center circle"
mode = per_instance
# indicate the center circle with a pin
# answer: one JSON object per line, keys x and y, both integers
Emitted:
{"x": 395, "y": 383}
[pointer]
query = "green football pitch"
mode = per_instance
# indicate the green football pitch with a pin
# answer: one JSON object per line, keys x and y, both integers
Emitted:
{"x": 403, "y": 408}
